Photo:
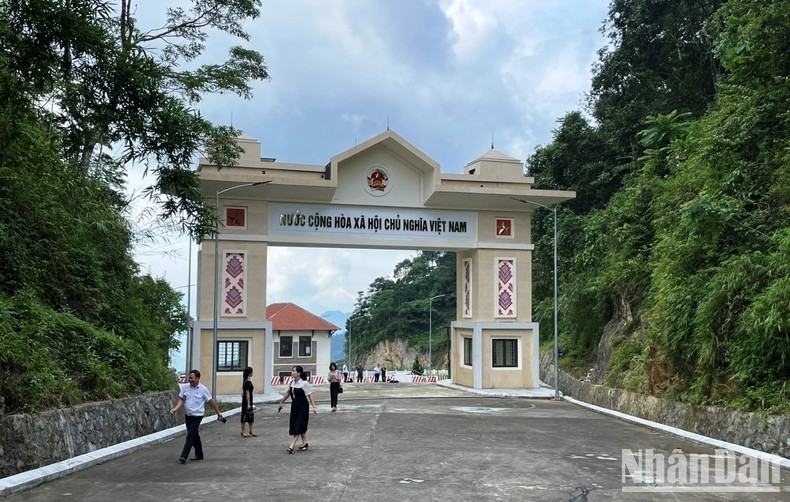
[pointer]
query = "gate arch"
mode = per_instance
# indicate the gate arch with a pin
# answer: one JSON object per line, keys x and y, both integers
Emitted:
{"x": 382, "y": 194}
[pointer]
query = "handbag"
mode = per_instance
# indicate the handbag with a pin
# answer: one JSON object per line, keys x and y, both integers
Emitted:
{"x": 340, "y": 390}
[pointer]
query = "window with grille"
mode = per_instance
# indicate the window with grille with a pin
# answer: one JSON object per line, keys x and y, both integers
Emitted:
{"x": 504, "y": 353}
{"x": 286, "y": 347}
{"x": 231, "y": 356}
{"x": 468, "y": 351}
{"x": 305, "y": 346}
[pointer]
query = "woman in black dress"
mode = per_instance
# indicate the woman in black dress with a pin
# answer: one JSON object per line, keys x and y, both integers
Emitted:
{"x": 247, "y": 410}
{"x": 300, "y": 393}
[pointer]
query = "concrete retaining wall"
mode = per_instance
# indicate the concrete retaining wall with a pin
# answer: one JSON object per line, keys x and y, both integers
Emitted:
{"x": 765, "y": 433}
{"x": 29, "y": 441}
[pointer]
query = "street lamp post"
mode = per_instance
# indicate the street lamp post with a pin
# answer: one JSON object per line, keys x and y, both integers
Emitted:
{"x": 214, "y": 350}
{"x": 189, "y": 312}
{"x": 556, "y": 350}
{"x": 430, "y": 331}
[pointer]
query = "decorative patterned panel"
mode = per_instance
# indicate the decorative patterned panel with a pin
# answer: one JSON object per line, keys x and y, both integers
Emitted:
{"x": 233, "y": 295}
{"x": 467, "y": 287}
{"x": 506, "y": 287}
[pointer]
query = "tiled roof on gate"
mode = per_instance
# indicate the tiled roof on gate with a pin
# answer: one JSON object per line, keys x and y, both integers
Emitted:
{"x": 292, "y": 317}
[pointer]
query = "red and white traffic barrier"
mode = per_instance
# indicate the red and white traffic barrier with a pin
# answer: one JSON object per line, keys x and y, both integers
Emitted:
{"x": 275, "y": 380}
{"x": 418, "y": 379}
{"x": 318, "y": 380}
{"x": 287, "y": 380}
{"x": 433, "y": 379}
{"x": 182, "y": 379}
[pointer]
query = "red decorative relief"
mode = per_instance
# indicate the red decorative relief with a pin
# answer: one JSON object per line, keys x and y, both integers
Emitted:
{"x": 235, "y": 217}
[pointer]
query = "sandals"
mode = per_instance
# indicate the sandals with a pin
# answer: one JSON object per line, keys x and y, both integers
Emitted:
{"x": 290, "y": 450}
{"x": 252, "y": 434}
{"x": 304, "y": 447}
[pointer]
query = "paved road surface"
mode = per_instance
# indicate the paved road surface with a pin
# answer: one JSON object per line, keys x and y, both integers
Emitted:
{"x": 394, "y": 442}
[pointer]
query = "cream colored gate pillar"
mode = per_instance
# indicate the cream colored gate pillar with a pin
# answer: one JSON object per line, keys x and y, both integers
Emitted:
{"x": 494, "y": 344}
{"x": 244, "y": 336}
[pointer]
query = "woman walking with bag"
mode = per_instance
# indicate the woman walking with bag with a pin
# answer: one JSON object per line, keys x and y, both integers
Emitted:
{"x": 334, "y": 384}
{"x": 247, "y": 410}
{"x": 300, "y": 393}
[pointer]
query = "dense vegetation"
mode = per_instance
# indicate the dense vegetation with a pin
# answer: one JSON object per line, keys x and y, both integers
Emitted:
{"x": 398, "y": 308}
{"x": 675, "y": 255}
{"x": 79, "y": 79}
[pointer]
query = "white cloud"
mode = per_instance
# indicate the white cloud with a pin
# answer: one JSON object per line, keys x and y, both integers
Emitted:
{"x": 448, "y": 74}
{"x": 355, "y": 119}
{"x": 326, "y": 279}
{"x": 471, "y": 21}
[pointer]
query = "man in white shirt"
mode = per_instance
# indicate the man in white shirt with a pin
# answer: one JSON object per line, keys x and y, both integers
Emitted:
{"x": 193, "y": 398}
{"x": 345, "y": 372}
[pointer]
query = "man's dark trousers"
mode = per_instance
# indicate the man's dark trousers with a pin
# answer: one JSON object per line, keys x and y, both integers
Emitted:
{"x": 193, "y": 438}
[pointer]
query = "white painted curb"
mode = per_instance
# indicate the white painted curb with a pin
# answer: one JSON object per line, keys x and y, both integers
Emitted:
{"x": 29, "y": 479}
{"x": 760, "y": 455}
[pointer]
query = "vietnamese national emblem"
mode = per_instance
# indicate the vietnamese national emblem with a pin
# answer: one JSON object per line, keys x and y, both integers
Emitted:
{"x": 378, "y": 179}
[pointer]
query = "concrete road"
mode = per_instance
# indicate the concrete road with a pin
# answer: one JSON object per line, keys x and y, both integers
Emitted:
{"x": 394, "y": 442}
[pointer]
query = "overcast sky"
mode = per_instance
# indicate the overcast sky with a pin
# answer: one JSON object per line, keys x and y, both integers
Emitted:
{"x": 445, "y": 74}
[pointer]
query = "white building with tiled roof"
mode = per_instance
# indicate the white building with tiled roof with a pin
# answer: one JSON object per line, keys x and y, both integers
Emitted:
{"x": 300, "y": 338}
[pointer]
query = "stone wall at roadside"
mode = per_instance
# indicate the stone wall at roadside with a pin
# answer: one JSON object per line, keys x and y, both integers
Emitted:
{"x": 32, "y": 440}
{"x": 764, "y": 433}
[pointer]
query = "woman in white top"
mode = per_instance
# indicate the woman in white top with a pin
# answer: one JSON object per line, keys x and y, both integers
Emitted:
{"x": 334, "y": 384}
{"x": 300, "y": 393}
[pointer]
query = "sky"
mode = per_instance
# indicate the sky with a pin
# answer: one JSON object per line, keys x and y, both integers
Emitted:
{"x": 446, "y": 75}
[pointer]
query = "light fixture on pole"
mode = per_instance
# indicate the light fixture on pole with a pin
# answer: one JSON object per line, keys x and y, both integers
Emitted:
{"x": 430, "y": 330}
{"x": 349, "y": 337}
{"x": 556, "y": 350}
{"x": 214, "y": 350}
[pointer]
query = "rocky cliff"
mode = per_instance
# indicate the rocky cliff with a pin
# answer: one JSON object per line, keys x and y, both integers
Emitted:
{"x": 398, "y": 355}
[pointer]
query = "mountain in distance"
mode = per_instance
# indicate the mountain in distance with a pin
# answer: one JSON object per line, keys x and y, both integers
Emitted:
{"x": 338, "y": 343}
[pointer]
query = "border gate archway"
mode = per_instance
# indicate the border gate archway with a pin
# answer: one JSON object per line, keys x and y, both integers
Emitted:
{"x": 381, "y": 194}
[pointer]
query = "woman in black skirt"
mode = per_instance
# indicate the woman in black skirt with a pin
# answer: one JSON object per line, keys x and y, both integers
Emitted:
{"x": 300, "y": 393}
{"x": 247, "y": 409}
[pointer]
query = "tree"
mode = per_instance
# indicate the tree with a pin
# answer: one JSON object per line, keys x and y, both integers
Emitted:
{"x": 77, "y": 321}
{"x": 398, "y": 309}
{"x": 719, "y": 308}
{"x": 659, "y": 59}
{"x": 577, "y": 159}
{"x": 105, "y": 82}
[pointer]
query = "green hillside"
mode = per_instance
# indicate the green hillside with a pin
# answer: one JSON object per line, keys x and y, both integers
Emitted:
{"x": 84, "y": 94}
{"x": 674, "y": 259}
